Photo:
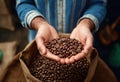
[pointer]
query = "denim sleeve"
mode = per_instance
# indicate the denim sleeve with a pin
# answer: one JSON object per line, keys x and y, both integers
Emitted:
{"x": 96, "y": 11}
{"x": 26, "y": 11}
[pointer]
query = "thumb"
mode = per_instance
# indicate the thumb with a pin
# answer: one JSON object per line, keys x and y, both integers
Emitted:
{"x": 41, "y": 46}
{"x": 89, "y": 44}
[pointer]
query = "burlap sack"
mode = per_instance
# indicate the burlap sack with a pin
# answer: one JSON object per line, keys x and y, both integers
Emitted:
{"x": 9, "y": 50}
{"x": 18, "y": 71}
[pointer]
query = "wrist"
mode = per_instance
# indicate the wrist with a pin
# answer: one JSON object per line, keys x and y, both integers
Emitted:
{"x": 37, "y": 22}
{"x": 88, "y": 23}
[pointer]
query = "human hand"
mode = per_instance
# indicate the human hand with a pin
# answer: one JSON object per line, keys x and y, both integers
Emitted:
{"x": 82, "y": 33}
{"x": 45, "y": 33}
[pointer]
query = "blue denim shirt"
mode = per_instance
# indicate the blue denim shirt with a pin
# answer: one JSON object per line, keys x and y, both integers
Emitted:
{"x": 61, "y": 14}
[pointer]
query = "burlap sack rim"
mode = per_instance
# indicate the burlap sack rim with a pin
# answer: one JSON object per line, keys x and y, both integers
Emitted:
{"x": 28, "y": 76}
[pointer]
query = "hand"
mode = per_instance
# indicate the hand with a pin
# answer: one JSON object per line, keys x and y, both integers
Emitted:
{"x": 82, "y": 33}
{"x": 45, "y": 33}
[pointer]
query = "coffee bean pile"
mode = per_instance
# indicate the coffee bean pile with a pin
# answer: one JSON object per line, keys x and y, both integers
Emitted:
{"x": 48, "y": 70}
{"x": 64, "y": 47}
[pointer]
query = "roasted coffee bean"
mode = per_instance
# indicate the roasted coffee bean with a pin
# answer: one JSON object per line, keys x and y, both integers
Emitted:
{"x": 48, "y": 70}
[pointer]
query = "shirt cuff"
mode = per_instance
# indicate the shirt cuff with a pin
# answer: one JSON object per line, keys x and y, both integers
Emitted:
{"x": 30, "y": 16}
{"x": 93, "y": 18}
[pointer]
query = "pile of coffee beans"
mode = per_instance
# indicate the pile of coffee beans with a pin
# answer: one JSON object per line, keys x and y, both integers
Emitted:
{"x": 64, "y": 47}
{"x": 48, "y": 70}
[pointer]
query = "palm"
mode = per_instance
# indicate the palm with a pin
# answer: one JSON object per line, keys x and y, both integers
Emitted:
{"x": 84, "y": 35}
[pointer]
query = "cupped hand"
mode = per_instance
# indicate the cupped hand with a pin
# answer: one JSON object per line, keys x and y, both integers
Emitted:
{"x": 45, "y": 33}
{"x": 82, "y": 33}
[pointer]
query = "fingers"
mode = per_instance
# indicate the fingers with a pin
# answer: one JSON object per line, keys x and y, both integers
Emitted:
{"x": 52, "y": 56}
{"x": 73, "y": 58}
{"x": 80, "y": 55}
{"x": 62, "y": 60}
{"x": 67, "y": 60}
